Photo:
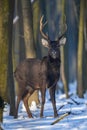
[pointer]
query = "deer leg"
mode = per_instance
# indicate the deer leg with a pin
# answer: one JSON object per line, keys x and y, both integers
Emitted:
{"x": 17, "y": 105}
{"x": 52, "y": 95}
{"x": 25, "y": 100}
{"x": 43, "y": 101}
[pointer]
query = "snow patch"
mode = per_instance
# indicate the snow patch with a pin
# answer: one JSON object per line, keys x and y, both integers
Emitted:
{"x": 33, "y": 106}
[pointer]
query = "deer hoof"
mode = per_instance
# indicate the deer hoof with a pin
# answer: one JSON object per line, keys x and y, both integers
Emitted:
{"x": 30, "y": 116}
{"x": 15, "y": 116}
{"x": 41, "y": 116}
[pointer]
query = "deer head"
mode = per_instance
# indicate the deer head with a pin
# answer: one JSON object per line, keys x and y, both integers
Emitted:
{"x": 53, "y": 46}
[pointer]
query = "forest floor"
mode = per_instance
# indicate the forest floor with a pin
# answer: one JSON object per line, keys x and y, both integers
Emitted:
{"x": 76, "y": 120}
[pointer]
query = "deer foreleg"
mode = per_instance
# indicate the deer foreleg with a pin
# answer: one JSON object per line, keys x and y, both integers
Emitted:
{"x": 43, "y": 101}
{"x": 52, "y": 95}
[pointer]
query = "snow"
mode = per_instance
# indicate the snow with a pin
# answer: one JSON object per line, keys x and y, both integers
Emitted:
{"x": 15, "y": 19}
{"x": 77, "y": 120}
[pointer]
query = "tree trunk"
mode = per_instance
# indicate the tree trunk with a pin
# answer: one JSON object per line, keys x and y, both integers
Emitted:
{"x": 10, "y": 60}
{"x": 29, "y": 38}
{"x": 62, "y": 56}
{"x": 16, "y": 36}
{"x": 85, "y": 50}
{"x": 36, "y": 25}
{"x": 80, "y": 50}
{"x": 62, "y": 22}
{"x": 28, "y": 29}
{"x": 4, "y": 11}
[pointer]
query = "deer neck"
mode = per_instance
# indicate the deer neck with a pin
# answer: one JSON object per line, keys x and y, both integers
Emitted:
{"x": 53, "y": 61}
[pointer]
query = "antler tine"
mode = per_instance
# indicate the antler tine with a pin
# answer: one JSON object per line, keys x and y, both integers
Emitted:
{"x": 63, "y": 32}
{"x": 42, "y": 26}
{"x": 64, "y": 27}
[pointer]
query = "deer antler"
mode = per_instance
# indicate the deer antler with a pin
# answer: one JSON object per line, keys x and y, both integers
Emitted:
{"x": 64, "y": 26}
{"x": 42, "y": 26}
{"x": 61, "y": 35}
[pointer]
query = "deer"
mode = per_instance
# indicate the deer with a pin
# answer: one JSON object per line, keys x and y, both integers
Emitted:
{"x": 35, "y": 74}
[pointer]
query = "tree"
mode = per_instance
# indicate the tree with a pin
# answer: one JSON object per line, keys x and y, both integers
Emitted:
{"x": 62, "y": 55}
{"x": 80, "y": 50}
{"x": 62, "y": 23}
{"x": 5, "y": 50}
{"x": 10, "y": 61}
{"x": 36, "y": 9}
{"x": 28, "y": 28}
{"x": 4, "y": 10}
{"x": 43, "y": 11}
{"x": 85, "y": 50}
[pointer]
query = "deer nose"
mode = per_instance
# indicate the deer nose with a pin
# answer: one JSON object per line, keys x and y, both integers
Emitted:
{"x": 53, "y": 54}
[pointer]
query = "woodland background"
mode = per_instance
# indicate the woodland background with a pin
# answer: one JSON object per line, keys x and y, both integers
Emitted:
{"x": 20, "y": 38}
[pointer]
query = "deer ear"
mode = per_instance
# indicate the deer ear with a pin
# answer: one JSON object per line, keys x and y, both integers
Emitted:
{"x": 62, "y": 41}
{"x": 45, "y": 43}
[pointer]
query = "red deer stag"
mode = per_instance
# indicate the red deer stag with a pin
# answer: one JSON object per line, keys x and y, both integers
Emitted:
{"x": 34, "y": 74}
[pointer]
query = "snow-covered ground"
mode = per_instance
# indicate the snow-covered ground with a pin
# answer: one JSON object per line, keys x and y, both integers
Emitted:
{"x": 77, "y": 120}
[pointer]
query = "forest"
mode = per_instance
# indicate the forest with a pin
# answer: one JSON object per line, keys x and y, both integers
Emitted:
{"x": 20, "y": 38}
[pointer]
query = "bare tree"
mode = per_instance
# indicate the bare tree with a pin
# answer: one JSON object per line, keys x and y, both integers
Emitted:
{"x": 62, "y": 20}
{"x": 10, "y": 61}
{"x": 6, "y": 6}
{"x": 80, "y": 50}
{"x": 36, "y": 17}
{"x": 85, "y": 50}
